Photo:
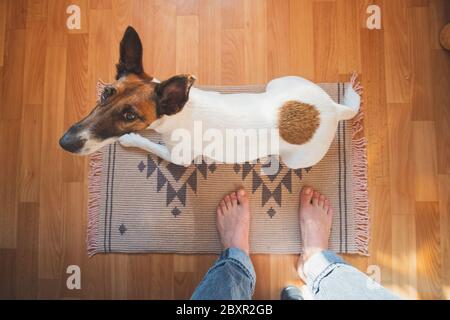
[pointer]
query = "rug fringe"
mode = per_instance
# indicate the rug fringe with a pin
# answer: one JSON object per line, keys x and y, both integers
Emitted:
{"x": 360, "y": 184}
{"x": 94, "y": 187}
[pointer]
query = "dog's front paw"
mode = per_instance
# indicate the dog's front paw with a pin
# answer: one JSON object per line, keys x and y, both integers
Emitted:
{"x": 129, "y": 140}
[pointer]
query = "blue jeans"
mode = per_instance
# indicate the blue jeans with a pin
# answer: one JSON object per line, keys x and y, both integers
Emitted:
{"x": 328, "y": 277}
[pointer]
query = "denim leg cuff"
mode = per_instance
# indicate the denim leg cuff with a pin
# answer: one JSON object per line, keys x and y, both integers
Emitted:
{"x": 319, "y": 266}
{"x": 231, "y": 277}
{"x": 241, "y": 260}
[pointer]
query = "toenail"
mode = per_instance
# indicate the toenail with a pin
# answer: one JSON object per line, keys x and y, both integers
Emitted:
{"x": 308, "y": 190}
{"x": 242, "y": 192}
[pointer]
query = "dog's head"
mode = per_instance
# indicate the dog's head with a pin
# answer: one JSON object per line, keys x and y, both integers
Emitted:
{"x": 130, "y": 104}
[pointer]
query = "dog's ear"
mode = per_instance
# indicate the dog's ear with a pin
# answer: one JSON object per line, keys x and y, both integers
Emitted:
{"x": 130, "y": 60}
{"x": 173, "y": 93}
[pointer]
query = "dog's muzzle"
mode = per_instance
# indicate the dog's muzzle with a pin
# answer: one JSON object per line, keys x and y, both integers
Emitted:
{"x": 71, "y": 140}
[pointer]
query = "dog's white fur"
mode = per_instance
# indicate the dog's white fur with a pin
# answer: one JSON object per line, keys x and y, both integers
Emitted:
{"x": 257, "y": 111}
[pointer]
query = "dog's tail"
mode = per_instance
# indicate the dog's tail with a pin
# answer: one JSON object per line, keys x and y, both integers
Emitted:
{"x": 352, "y": 99}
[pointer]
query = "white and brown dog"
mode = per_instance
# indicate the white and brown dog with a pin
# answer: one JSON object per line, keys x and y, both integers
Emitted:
{"x": 303, "y": 116}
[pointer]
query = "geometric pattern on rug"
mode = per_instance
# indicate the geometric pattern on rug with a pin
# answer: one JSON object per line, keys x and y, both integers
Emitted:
{"x": 169, "y": 176}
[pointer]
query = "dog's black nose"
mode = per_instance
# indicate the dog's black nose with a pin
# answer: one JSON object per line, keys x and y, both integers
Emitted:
{"x": 71, "y": 142}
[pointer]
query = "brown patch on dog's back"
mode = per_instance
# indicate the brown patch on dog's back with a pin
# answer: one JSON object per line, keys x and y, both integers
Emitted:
{"x": 297, "y": 122}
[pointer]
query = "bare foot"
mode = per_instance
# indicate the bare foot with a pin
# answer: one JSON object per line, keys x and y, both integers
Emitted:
{"x": 233, "y": 220}
{"x": 315, "y": 223}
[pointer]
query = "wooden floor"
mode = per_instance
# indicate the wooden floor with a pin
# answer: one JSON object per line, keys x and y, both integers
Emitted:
{"x": 47, "y": 81}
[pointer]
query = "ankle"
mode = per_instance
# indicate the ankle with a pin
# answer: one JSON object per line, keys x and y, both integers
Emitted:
{"x": 303, "y": 259}
{"x": 241, "y": 245}
{"x": 310, "y": 252}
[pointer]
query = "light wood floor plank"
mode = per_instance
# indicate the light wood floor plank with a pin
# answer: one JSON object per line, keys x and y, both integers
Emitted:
{"x": 145, "y": 24}
{"x": 397, "y": 52}
{"x": 232, "y": 17}
{"x": 187, "y": 7}
{"x": 425, "y": 161}
{"x": 441, "y": 98}
{"x": 100, "y": 4}
{"x": 210, "y": 27}
{"x": 56, "y": 23}
{"x": 8, "y": 273}
{"x": 27, "y": 251}
{"x": 74, "y": 219}
{"x": 164, "y": 61}
{"x": 375, "y": 108}
{"x": 381, "y": 244}
{"x": 29, "y": 159}
{"x": 76, "y": 100}
{"x": 278, "y": 35}
{"x": 233, "y": 57}
{"x": 262, "y": 268}
{"x": 9, "y": 140}
{"x": 17, "y": 15}
{"x": 429, "y": 270}
{"x": 404, "y": 257}
{"x": 401, "y": 158}
{"x": 50, "y": 188}
{"x": 325, "y": 41}
{"x": 255, "y": 41}
{"x": 444, "y": 223}
{"x": 3, "y": 13}
{"x": 302, "y": 38}
{"x": 283, "y": 272}
{"x": 419, "y": 30}
{"x": 187, "y": 45}
{"x": 347, "y": 36}
{"x": 13, "y": 72}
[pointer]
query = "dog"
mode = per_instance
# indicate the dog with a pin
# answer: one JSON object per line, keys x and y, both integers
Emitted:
{"x": 300, "y": 115}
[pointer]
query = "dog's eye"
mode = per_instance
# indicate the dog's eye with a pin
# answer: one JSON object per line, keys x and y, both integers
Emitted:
{"x": 107, "y": 92}
{"x": 129, "y": 116}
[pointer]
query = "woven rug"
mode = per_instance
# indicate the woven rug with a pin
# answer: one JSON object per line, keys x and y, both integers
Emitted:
{"x": 140, "y": 203}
